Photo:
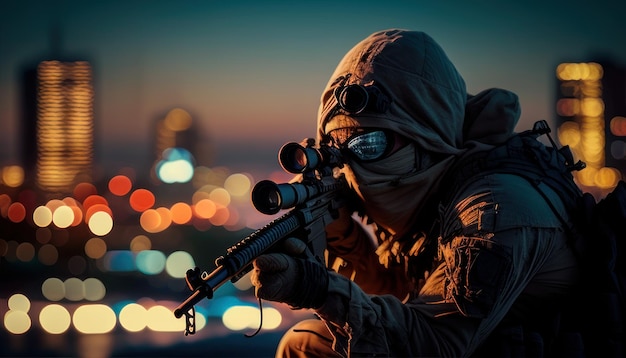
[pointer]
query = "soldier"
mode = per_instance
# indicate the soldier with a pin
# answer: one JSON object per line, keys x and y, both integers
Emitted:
{"x": 453, "y": 259}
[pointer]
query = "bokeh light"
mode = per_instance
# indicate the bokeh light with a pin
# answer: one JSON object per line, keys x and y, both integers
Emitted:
{"x": 176, "y": 166}
{"x": 94, "y": 289}
{"x": 19, "y": 302}
{"x": 166, "y": 218}
{"x": 220, "y": 196}
{"x": 618, "y": 126}
{"x": 17, "y": 322}
{"x": 141, "y": 200}
{"x": 78, "y": 215}
{"x": 140, "y": 243}
{"x": 100, "y": 223}
{"x": 5, "y": 202}
{"x": 53, "y": 289}
{"x": 54, "y": 204}
{"x": 63, "y": 217}
{"x": 55, "y": 319}
{"x": 94, "y": 208}
{"x": 178, "y": 263}
{"x": 607, "y": 178}
{"x": 120, "y": 185}
{"x": 93, "y": 200}
{"x": 25, "y": 251}
{"x": 150, "y": 262}
{"x": 13, "y": 176}
{"x": 84, "y": 321}
{"x": 181, "y": 213}
{"x": 238, "y": 318}
{"x": 16, "y": 212}
{"x": 95, "y": 248}
{"x": 161, "y": 319}
{"x": 205, "y": 208}
{"x": 83, "y": 190}
{"x": 177, "y": 120}
{"x": 133, "y": 317}
{"x": 221, "y": 216}
{"x": 48, "y": 254}
{"x": 74, "y": 289}
{"x": 150, "y": 220}
{"x": 119, "y": 261}
{"x": 618, "y": 149}
{"x": 42, "y": 216}
{"x": 237, "y": 184}
{"x": 16, "y": 319}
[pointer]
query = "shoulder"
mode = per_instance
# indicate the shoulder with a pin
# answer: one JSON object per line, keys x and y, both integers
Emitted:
{"x": 501, "y": 201}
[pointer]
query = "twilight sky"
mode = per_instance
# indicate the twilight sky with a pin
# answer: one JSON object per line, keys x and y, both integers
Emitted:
{"x": 251, "y": 72}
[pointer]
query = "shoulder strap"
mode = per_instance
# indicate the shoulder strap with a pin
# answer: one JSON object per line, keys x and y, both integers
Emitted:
{"x": 525, "y": 156}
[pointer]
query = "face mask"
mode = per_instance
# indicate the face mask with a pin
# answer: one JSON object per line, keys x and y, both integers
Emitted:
{"x": 393, "y": 190}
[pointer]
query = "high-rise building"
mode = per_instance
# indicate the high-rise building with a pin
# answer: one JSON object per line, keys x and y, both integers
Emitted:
{"x": 65, "y": 115}
{"x": 591, "y": 110}
{"x": 179, "y": 147}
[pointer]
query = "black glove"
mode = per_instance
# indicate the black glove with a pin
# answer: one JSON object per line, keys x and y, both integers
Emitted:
{"x": 299, "y": 282}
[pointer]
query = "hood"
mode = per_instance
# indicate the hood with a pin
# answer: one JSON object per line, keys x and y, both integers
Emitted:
{"x": 426, "y": 101}
{"x": 428, "y": 98}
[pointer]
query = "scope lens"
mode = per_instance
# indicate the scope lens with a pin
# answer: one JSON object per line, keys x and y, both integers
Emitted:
{"x": 273, "y": 198}
{"x": 266, "y": 197}
{"x": 296, "y": 159}
{"x": 299, "y": 160}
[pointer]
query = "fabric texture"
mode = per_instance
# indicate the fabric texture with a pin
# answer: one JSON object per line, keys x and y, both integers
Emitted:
{"x": 495, "y": 266}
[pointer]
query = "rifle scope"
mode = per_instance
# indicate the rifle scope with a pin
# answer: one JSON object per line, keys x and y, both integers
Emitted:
{"x": 296, "y": 158}
{"x": 315, "y": 164}
{"x": 269, "y": 197}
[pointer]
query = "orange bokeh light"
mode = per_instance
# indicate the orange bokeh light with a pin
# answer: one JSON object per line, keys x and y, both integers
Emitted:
{"x": 5, "y": 202}
{"x": 181, "y": 213}
{"x": 83, "y": 190}
{"x": 93, "y": 200}
{"x": 54, "y": 204}
{"x": 96, "y": 208}
{"x": 220, "y": 217}
{"x": 141, "y": 200}
{"x": 205, "y": 208}
{"x": 150, "y": 220}
{"x": 120, "y": 185}
{"x": 78, "y": 215}
{"x": 16, "y": 212}
{"x": 166, "y": 218}
{"x": 69, "y": 201}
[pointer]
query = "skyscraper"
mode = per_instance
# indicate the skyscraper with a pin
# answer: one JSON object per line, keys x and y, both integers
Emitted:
{"x": 590, "y": 110}
{"x": 65, "y": 116}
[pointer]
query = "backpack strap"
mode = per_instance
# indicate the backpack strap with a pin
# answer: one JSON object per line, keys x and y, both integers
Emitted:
{"x": 525, "y": 156}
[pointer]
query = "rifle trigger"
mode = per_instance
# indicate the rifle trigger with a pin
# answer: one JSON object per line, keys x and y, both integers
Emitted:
{"x": 190, "y": 321}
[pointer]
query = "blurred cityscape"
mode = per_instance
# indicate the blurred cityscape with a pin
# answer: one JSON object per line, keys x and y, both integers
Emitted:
{"x": 92, "y": 264}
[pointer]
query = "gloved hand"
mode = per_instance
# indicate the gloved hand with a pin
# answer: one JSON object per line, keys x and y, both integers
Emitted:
{"x": 299, "y": 282}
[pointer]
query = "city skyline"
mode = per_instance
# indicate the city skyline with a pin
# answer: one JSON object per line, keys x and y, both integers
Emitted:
{"x": 251, "y": 74}
{"x": 99, "y": 269}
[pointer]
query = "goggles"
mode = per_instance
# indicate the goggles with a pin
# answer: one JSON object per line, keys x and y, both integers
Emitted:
{"x": 356, "y": 98}
{"x": 366, "y": 146}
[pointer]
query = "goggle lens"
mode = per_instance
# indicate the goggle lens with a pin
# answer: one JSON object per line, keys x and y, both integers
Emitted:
{"x": 369, "y": 146}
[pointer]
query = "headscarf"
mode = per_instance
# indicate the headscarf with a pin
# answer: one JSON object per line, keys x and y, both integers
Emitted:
{"x": 429, "y": 105}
